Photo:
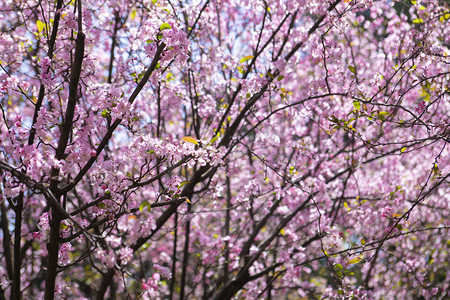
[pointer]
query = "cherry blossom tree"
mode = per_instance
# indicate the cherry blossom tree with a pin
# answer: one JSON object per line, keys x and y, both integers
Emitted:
{"x": 222, "y": 149}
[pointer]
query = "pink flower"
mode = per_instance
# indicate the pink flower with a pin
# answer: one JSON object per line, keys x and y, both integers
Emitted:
{"x": 64, "y": 253}
{"x": 46, "y": 75}
{"x": 44, "y": 222}
{"x": 165, "y": 272}
{"x": 151, "y": 286}
{"x": 37, "y": 235}
{"x": 126, "y": 254}
{"x": 385, "y": 211}
{"x": 421, "y": 107}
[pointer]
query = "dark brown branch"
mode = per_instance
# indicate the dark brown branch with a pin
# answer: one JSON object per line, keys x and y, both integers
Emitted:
{"x": 57, "y": 215}
{"x": 113, "y": 44}
{"x": 116, "y": 123}
{"x": 243, "y": 277}
{"x": 185, "y": 256}
{"x": 51, "y": 46}
{"x": 16, "y": 295}
{"x": 6, "y": 241}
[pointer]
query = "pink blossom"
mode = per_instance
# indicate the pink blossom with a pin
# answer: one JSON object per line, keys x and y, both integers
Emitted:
{"x": 126, "y": 254}
{"x": 385, "y": 211}
{"x": 44, "y": 221}
{"x": 64, "y": 249}
{"x": 164, "y": 271}
{"x": 421, "y": 107}
{"x": 151, "y": 285}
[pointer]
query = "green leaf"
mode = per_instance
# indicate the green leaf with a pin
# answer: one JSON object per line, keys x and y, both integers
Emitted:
{"x": 183, "y": 183}
{"x": 340, "y": 292}
{"x": 349, "y": 273}
{"x": 352, "y": 69}
{"x": 363, "y": 241}
{"x": 403, "y": 150}
{"x": 145, "y": 205}
{"x": 213, "y": 140}
{"x": 40, "y": 25}
{"x": 105, "y": 113}
{"x": 280, "y": 77}
{"x": 338, "y": 267}
{"x": 164, "y": 26}
{"x": 245, "y": 58}
{"x": 357, "y": 105}
{"x": 435, "y": 168}
{"x": 355, "y": 260}
{"x": 382, "y": 115}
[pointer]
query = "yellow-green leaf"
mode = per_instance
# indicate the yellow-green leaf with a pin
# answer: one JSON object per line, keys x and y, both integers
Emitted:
{"x": 145, "y": 205}
{"x": 40, "y": 25}
{"x": 403, "y": 150}
{"x": 133, "y": 13}
{"x": 245, "y": 58}
{"x": 183, "y": 183}
{"x": 352, "y": 69}
{"x": 355, "y": 260}
{"x": 346, "y": 206}
{"x": 164, "y": 26}
{"x": 383, "y": 115}
{"x": 190, "y": 140}
{"x": 213, "y": 140}
{"x": 418, "y": 21}
{"x": 435, "y": 168}
{"x": 363, "y": 242}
